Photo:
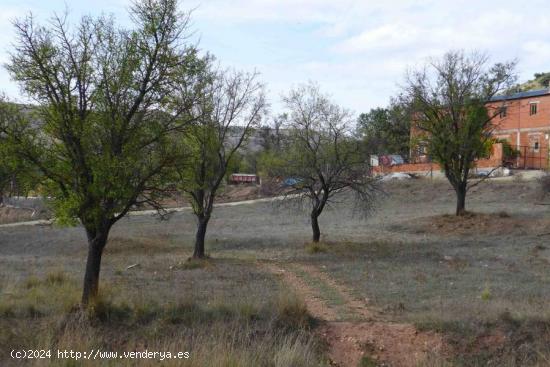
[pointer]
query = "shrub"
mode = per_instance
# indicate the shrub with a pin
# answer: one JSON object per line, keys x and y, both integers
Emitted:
{"x": 508, "y": 151}
{"x": 291, "y": 312}
{"x": 486, "y": 294}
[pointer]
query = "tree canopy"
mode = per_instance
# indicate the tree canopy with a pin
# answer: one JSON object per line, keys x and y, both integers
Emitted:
{"x": 321, "y": 158}
{"x": 448, "y": 98}
{"x": 386, "y": 130}
{"x": 101, "y": 132}
{"x": 232, "y": 104}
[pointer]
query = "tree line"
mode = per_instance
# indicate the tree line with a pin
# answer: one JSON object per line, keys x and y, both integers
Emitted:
{"x": 122, "y": 117}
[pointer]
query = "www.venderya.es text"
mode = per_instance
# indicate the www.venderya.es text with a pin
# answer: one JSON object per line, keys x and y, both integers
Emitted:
{"x": 96, "y": 354}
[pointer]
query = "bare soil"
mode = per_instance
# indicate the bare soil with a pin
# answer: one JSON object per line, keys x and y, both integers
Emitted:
{"x": 472, "y": 224}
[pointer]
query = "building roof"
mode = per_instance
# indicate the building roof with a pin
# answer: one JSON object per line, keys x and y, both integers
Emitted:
{"x": 528, "y": 94}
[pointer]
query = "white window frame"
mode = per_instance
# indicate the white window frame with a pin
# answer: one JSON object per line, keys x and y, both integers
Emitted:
{"x": 531, "y": 108}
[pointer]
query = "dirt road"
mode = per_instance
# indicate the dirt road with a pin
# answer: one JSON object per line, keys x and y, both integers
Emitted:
{"x": 352, "y": 330}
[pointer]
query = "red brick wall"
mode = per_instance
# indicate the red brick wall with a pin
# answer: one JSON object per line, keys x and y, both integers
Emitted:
{"x": 521, "y": 129}
{"x": 495, "y": 160}
{"x": 518, "y": 113}
{"x": 518, "y": 120}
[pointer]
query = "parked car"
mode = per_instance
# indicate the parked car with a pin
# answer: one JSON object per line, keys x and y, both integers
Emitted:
{"x": 391, "y": 160}
{"x": 291, "y": 181}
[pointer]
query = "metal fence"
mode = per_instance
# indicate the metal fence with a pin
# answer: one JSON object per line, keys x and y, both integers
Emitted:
{"x": 527, "y": 157}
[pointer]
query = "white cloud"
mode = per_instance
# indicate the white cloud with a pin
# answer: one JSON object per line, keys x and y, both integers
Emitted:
{"x": 357, "y": 50}
{"x": 386, "y": 37}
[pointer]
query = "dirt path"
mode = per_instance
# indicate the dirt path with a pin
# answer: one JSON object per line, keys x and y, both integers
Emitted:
{"x": 151, "y": 212}
{"x": 351, "y": 328}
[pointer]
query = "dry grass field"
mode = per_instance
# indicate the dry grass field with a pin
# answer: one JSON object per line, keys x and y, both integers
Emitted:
{"x": 408, "y": 286}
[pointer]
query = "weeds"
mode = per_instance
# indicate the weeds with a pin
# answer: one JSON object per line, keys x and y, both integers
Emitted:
{"x": 291, "y": 312}
{"x": 486, "y": 293}
{"x": 367, "y": 361}
{"x": 316, "y": 247}
{"x": 192, "y": 263}
{"x": 224, "y": 333}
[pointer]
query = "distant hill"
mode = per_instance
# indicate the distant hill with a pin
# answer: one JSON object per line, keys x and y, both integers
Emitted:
{"x": 540, "y": 81}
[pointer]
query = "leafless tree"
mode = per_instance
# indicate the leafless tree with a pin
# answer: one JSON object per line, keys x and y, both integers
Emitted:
{"x": 322, "y": 160}
{"x": 232, "y": 106}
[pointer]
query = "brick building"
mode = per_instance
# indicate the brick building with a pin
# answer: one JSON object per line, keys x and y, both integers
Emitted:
{"x": 524, "y": 121}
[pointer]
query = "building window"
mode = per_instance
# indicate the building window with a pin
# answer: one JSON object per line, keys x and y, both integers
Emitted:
{"x": 536, "y": 147}
{"x": 532, "y": 109}
{"x": 503, "y": 111}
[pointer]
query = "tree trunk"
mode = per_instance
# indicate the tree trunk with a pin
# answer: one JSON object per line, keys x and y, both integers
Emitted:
{"x": 96, "y": 244}
{"x": 315, "y": 227}
{"x": 461, "y": 200}
{"x": 199, "y": 238}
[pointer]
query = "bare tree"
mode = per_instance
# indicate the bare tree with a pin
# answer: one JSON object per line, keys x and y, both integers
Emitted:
{"x": 233, "y": 104}
{"x": 271, "y": 135}
{"x": 448, "y": 98}
{"x": 321, "y": 158}
{"x": 102, "y": 132}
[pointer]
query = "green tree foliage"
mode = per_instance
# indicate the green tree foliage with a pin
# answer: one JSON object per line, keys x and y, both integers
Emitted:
{"x": 16, "y": 177}
{"x": 232, "y": 106}
{"x": 270, "y": 163}
{"x": 321, "y": 157}
{"x": 386, "y": 130}
{"x": 508, "y": 151}
{"x": 8, "y": 170}
{"x": 448, "y": 99}
{"x": 102, "y": 131}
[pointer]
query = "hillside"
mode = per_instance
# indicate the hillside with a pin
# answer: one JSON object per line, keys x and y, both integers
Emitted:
{"x": 539, "y": 81}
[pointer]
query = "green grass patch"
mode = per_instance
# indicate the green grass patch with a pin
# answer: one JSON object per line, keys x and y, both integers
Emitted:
{"x": 367, "y": 361}
{"x": 192, "y": 264}
{"x": 316, "y": 247}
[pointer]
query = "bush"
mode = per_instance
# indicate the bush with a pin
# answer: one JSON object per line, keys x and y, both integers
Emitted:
{"x": 508, "y": 151}
{"x": 486, "y": 294}
{"x": 291, "y": 312}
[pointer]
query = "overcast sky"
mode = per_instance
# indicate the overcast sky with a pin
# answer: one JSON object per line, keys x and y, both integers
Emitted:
{"x": 357, "y": 50}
